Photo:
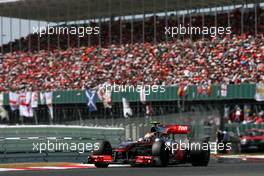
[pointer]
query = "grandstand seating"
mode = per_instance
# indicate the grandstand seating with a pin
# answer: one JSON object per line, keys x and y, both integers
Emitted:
{"x": 236, "y": 59}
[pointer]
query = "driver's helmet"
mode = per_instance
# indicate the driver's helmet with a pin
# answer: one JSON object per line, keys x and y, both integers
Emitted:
{"x": 149, "y": 137}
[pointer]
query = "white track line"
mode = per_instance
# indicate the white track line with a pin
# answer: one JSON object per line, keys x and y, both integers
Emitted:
{"x": 243, "y": 156}
{"x": 52, "y": 168}
{"x": 75, "y": 166}
{"x": 110, "y": 165}
{"x": 10, "y": 169}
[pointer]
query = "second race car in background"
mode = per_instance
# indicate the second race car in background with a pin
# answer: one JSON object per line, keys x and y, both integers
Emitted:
{"x": 252, "y": 140}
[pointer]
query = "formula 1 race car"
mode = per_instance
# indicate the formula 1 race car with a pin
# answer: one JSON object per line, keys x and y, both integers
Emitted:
{"x": 252, "y": 140}
{"x": 162, "y": 146}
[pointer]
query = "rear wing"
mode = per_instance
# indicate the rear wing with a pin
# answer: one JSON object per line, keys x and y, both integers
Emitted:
{"x": 177, "y": 129}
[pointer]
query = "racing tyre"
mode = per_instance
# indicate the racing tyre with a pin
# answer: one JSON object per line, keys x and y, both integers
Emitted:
{"x": 136, "y": 165}
{"x": 161, "y": 155}
{"x": 101, "y": 165}
{"x": 104, "y": 148}
{"x": 201, "y": 156}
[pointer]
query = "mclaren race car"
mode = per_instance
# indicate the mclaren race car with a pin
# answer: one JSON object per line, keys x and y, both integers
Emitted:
{"x": 162, "y": 146}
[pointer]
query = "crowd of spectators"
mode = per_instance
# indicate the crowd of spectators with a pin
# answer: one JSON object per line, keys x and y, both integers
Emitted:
{"x": 234, "y": 59}
{"x": 244, "y": 115}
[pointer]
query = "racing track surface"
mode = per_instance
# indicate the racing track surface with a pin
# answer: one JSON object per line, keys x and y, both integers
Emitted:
{"x": 214, "y": 169}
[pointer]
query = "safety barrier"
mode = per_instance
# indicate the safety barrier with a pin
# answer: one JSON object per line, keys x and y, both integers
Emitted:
{"x": 240, "y": 128}
{"x": 17, "y": 142}
{"x": 241, "y": 91}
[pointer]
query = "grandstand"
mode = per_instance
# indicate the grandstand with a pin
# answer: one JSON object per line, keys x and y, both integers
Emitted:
{"x": 209, "y": 80}
{"x": 132, "y": 47}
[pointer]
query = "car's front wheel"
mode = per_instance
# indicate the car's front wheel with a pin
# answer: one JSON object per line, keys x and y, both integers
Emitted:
{"x": 104, "y": 148}
{"x": 101, "y": 165}
{"x": 160, "y": 154}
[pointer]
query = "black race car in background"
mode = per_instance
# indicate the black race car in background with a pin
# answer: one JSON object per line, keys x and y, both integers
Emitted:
{"x": 162, "y": 146}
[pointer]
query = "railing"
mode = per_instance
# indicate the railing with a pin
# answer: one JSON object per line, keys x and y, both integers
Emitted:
{"x": 240, "y": 128}
{"x": 242, "y": 91}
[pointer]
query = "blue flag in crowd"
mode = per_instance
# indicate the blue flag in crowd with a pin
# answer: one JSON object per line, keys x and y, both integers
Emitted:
{"x": 90, "y": 98}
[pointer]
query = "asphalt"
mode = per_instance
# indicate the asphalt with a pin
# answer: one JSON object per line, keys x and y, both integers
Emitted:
{"x": 214, "y": 169}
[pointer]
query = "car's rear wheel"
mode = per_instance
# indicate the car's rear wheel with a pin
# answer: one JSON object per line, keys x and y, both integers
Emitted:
{"x": 160, "y": 154}
{"x": 200, "y": 156}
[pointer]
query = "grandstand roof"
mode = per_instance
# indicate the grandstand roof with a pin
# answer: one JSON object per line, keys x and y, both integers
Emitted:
{"x": 71, "y": 10}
